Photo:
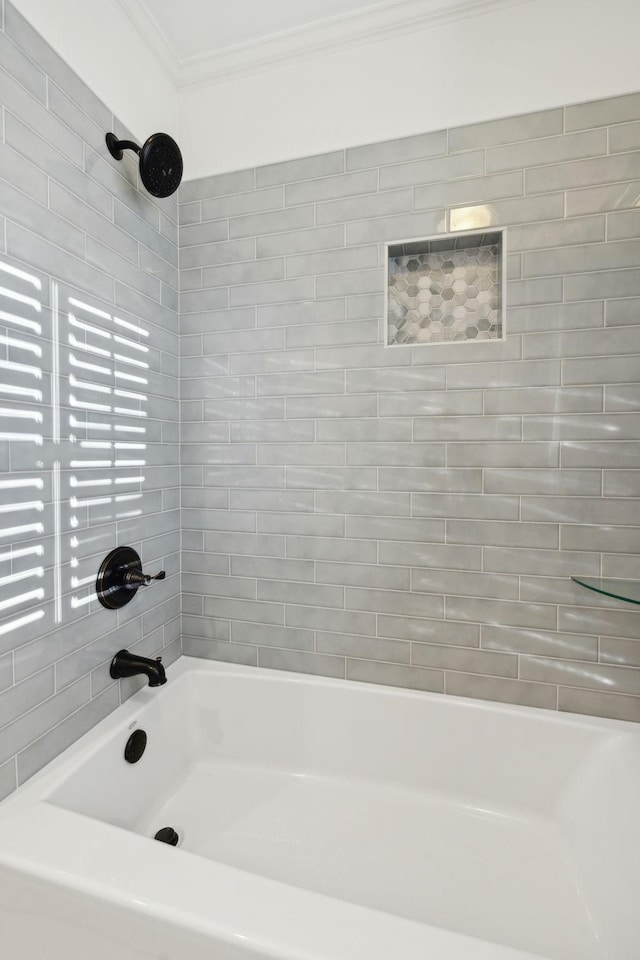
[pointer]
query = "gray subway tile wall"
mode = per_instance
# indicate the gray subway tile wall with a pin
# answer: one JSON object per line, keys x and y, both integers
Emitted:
{"x": 413, "y": 516}
{"x": 88, "y": 270}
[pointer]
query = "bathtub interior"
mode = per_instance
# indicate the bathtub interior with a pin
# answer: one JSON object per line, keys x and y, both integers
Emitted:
{"x": 473, "y": 818}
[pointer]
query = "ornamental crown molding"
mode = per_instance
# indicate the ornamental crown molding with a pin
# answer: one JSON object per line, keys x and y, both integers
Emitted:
{"x": 380, "y": 21}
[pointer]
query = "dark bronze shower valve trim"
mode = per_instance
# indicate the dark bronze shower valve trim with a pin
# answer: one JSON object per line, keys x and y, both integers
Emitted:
{"x": 160, "y": 161}
{"x": 119, "y": 577}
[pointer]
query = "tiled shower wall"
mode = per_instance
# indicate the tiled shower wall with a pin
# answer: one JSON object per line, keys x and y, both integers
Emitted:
{"x": 412, "y": 516}
{"x": 89, "y": 398}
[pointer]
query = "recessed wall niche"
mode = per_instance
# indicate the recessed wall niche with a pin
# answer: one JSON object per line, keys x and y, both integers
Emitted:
{"x": 446, "y": 289}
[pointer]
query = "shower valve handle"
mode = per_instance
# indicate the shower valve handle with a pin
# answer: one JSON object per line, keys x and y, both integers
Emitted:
{"x": 136, "y": 578}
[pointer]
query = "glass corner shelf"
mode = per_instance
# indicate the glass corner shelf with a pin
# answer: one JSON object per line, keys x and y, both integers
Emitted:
{"x": 628, "y": 590}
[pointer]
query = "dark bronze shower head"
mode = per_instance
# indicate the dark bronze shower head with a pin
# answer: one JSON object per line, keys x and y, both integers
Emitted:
{"x": 160, "y": 161}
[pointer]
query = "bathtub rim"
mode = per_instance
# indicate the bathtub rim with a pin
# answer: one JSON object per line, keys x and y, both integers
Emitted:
{"x": 46, "y": 780}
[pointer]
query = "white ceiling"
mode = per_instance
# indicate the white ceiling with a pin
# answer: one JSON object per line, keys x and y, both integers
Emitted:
{"x": 193, "y": 28}
{"x": 205, "y": 40}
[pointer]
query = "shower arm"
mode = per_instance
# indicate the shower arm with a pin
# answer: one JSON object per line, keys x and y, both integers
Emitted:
{"x": 117, "y": 146}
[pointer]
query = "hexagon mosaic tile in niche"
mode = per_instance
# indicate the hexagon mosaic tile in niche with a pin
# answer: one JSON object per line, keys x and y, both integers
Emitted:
{"x": 444, "y": 290}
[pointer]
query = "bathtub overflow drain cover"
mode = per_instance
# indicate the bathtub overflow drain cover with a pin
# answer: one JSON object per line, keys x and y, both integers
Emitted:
{"x": 135, "y": 746}
{"x": 167, "y": 835}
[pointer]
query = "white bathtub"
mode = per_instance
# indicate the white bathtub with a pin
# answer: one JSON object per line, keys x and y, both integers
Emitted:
{"x": 326, "y": 820}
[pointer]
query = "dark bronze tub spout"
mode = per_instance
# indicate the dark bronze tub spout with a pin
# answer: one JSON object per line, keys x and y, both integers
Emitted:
{"x": 126, "y": 664}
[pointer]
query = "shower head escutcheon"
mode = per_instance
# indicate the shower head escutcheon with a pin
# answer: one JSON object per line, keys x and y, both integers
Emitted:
{"x": 160, "y": 161}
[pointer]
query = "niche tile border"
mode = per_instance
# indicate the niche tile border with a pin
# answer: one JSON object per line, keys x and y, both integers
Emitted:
{"x": 445, "y": 289}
